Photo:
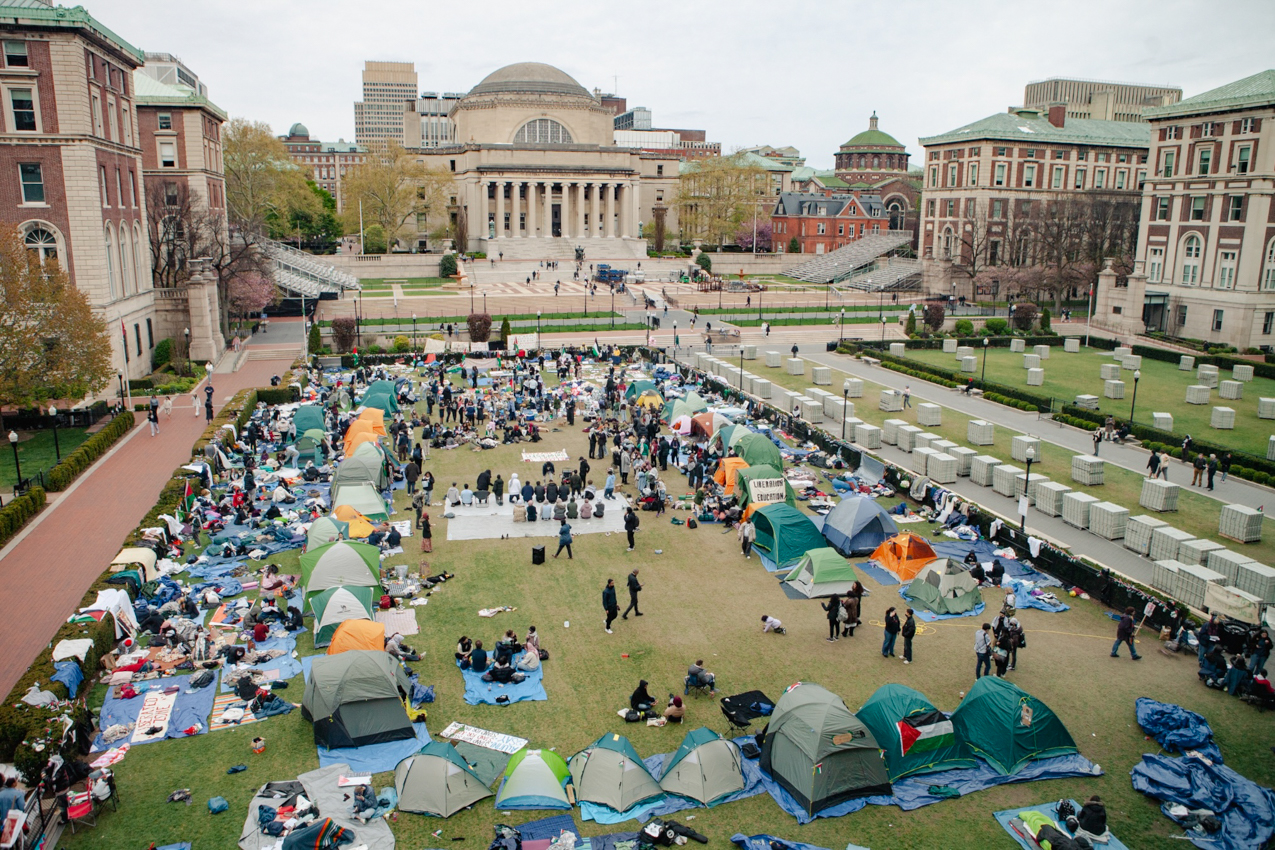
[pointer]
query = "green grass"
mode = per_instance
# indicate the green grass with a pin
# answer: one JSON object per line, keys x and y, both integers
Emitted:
{"x": 1161, "y": 389}
{"x": 36, "y": 452}
{"x": 779, "y": 311}
{"x": 381, "y": 282}
{"x": 701, "y": 600}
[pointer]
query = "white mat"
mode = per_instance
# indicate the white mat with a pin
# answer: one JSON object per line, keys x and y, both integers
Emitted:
{"x": 541, "y": 457}
{"x": 495, "y": 521}
{"x": 157, "y": 708}
{"x": 482, "y": 738}
{"x": 403, "y": 622}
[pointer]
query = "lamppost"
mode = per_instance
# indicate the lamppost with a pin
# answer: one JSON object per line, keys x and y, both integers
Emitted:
{"x": 413, "y": 332}
{"x": 845, "y": 398}
{"x": 676, "y": 341}
{"x": 120, "y": 375}
{"x": 57, "y": 449}
{"x": 982, "y": 382}
{"x": 760, "y": 292}
{"x": 841, "y": 328}
{"x": 1137, "y": 376}
{"x": 883, "y": 330}
{"x": 13, "y": 441}
{"x": 186, "y": 350}
{"x": 537, "y": 329}
{"x": 741, "y": 368}
{"x": 1027, "y": 483}
{"x": 613, "y": 308}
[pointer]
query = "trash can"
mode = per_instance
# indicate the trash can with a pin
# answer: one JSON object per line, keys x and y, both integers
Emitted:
{"x": 537, "y": 554}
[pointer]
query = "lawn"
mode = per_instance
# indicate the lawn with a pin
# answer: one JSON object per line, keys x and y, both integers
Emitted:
{"x": 701, "y": 600}
{"x": 1161, "y": 389}
{"x": 36, "y": 452}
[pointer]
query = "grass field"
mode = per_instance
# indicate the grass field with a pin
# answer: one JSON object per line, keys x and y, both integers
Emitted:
{"x": 701, "y": 599}
{"x": 36, "y": 452}
{"x": 1161, "y": 389}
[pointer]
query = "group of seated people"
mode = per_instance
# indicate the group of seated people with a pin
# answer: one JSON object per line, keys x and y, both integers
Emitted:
{"x": 509, "y": 661}
{"x": 386, "y": 536}
{"x": 642, "y": 702}
{"x": 981, "y": 574}
{"x": 1245, "y": 675}
{"x": 561, "y": 510}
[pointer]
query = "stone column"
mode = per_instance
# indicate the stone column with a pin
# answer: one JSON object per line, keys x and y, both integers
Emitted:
{"x": 581, "y": 232}
{"x": 635, "y": 210}
{"x": 548, "y": 225}
{"x": 608, "y": 223}
{"x": 531, "y": 210}
{"x": 622, "y": 201}
{"x": 500, "y": 209}
{"x": 564, "y": 211}
{"x": 595, "y": 213}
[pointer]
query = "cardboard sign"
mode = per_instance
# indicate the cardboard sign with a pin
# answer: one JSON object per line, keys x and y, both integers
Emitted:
{"x": 766, "y": 491}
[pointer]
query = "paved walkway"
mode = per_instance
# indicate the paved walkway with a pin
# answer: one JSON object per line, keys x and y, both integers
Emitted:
{"x": 49, "y": 566}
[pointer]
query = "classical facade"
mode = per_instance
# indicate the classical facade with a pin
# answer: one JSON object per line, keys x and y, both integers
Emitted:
{"x": 1206, "y": 240}
{"x": 1098, "y": 99}
{"x": 326, "y": 163}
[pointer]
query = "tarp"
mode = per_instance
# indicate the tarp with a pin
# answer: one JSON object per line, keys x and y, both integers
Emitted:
{"x": 1051, "y": 811}
{"x": 189, "y": 710}
{"x": 784, "y": 533}
{"x": 726, "y": 470}
{"x": 1176, "y": 729}
{"x": 478, "y": 692}
{"x": 821, "y": 572}
{"x": 320, "y": 787}
{"x": 705, "y": 768}
{"x": 1246, "y": 810}
{"x": 340, "y": 563}
{"x": 904, "y": 555}
{"x": 355, "y": 698}
{"x": 137, "y": 558}
{"x": 535, "y": 779}
{"x": 943, "y": 586}
{"x": 336, "y": 605}
{"x": 1008, "y": 726}
{"x": 610, "y": 772}
{"x": 437, "y": 781}
{"x": 857, "y": 526}
{"x": 355, "y": 633}
{"x": 914, "y": 735}
{"x": 375, "y": 758}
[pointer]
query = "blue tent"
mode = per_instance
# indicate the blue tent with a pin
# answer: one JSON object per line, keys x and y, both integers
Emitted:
{"x": 857, "y": 526}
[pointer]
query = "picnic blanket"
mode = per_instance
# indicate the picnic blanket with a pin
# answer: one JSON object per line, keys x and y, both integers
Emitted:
{"x": 497, "y": 741}
{"x": 1050, "y": 809}
{"x": 770, "y": 842}
{"x": 478, "y": 692}
{"x": 1246, "y": 810}
{"x": 188, "y": 709}
{"x": 541, "y": 457}
{"x": 403, "y": 622}
{"x": 222, "y": 702}
{"x": 374, "y": 758}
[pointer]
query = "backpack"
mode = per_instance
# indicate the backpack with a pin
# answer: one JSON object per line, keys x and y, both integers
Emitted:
{"x": 632, "y": 716}
{"x": 217, "y": 805}
{"x": 842, "y": 614}
{"x": 691, "y": 523}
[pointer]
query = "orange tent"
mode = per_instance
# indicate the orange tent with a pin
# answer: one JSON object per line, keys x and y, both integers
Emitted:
{"x": 357, "y": 428}
{"x": 357, "y": 440}
{"x": 360, "y": 526}
{"x": 358, "y": 634}
{"x": 725, "y": 474}
{"x": 904, "y": 555}
{"x": 376, "y": 417}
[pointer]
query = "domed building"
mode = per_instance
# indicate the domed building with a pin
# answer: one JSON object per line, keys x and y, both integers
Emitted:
{"x": 874, "y": 160}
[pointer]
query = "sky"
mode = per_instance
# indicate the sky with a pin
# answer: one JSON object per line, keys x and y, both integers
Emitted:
{"x": 806, "y": 74}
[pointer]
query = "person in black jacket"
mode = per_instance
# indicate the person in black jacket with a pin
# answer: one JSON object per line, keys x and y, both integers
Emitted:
{"x": 891, "y": 633}
{"x": 833, "y": 610}
{"x": 630, "y": 525}
{"x": 1124, "y": 634}
{"x": 640, "y": 699}
{"x": 610, "y": 604}
{"x": 1092, "y": 818}
{"x": 908, "y": 631}
{"x": 634, "y": 587}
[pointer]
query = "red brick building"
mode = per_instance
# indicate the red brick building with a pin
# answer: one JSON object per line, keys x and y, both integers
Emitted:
{"x": 823, "y": 223}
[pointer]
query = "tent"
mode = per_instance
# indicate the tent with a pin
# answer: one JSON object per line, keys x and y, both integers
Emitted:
{"x": 944, "y": 586}
{"x": 437, "y": 781}
{"x": 359, "y": 431}
{"x": 784, "y": 533}
{"x": 357, "y": 525}
{"x": 338, "y": 564}
{"x": 694, "y": 403}
{"x": 334, "y": 606}
{"x": 310, "y": 442}
{"x": 726, "y": 470}
{"x": 681, "y": 424}
{"x": 728, "y": 435}
{"x": 364, "y": 498}
{"x": 383, "y": 386}
{"x": 650, "y": 399}
{"x": 857, "y": 526}
{"x": 365, "y": 466}
{"x": 137, "y": 558}
{"x": 610, "y": 772}
{"x": 356, "y": 698}
{"x": 707, "y": 423}
{"x": 820, "y": 752}
{"x": 637, "y": 388}
{"x": 822, "y": 572}
{"x": 375, "y": 417}
{"x": 914, "y": 735}
{"x": 379, "y": 403}
{"x": 351, "y": 633}
{"x": 326, "y": 529}
{"x": 904, "y": 555}
{"x": 1008, "y": 726}
{"x": 706, "y": 768}
{"x": 758, "y": 450}
{"x": 535, "y": 779}
{"x": 308, "y": 416}
{"x": 744, "y": 478}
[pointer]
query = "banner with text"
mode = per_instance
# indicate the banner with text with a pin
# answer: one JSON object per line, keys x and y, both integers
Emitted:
{"x": 766, "y": 491}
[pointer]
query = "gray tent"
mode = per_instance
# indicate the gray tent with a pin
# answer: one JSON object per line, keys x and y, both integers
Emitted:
{"x": 611, "y": 773}
{"x": 437, "y": 781}
{"x": 857, "y": 526}
{"x": 706, "y": 768}
{"x": 326, "y": 529}
{"x": 356, "y": 698}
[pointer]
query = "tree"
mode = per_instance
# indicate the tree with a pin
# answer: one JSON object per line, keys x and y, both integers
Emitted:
{"x": 395, "y": 188}
{"x": 262, "y": 181}
{"x": 744, "y": 236}
{"x": 374, "y": 239}
{"x": 934, "y": 316}
{"x": 1045, "y": 317}
{"x": 51, "y": 344}
{"x": 794, "y": 247}
{"x": 312, "y": 225}
{"x": 506, "y": 330}
{"x": 343, "y": 331}
{"x": 705, "y": 262}
{"x": 315, "y": 339}
{"x": 717, "y": 194}
{"x": 447, "y": 265}
{"x": 910, "y": 327}
{"x": 249, "y": 294}
{"x": 1025, "y": 315}
{"x": 479, "y": 327}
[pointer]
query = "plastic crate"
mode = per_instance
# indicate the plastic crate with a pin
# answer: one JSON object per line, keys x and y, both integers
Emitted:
{"x": 920, "y": 459}
{"x": 969, "y": 364}
{"x": 1164, "y": 576}
{"x": 1240, "y": 523}
{"x": 930, "y": 415}
{"x": 1020, "y": 444}
{"x": 1087, "y": 402}
{"x": 868, "y": 436}
{"x": 1071, "y": 345}
{"x": 1165, "y": 542}
{"x": 964, "y": 457}
{"x": 1113, "y": 389}
{"x": 1186, "y": 363}
{"x": 1004, "y": 479}
{"x": 1031, "y": 361}
{"x": 1230, "y": 389}
{"x": 980, "y": 433}
{"x": 1163, "y": 421}
{"x": 1087, "y": 470}
{"x": 1197, "y": 551}
{"x": 795, "y": 366}
{"x": 1109, "y": 371}
{"x": 926, "y": 439}
{"x": 1017, "y": 346}
{"x": 1049, "y": 497}
{"x": 1108, "y": 520}
{"x": 941, "y": 468}
{"x": 1191, "y": 579}
{"x": 1035, "y": 377}
{"x": 1222, "y": 418}
{"x": 1242, "y": 373}
{"x": 855, "y": 387}
{"x": 1022, "y": 485}
{"x": 949, "y": 346}
{"x": 890, "y": 430}
{"x": 821, "y": 376}
{"x": 1266, "y": 408}
{"x": 1198, "y": 394}
{"x": 1137, "y": 533}
{"x": 1257, "y": 579}
{"x": 981, "y": 467}
{"x": 1131, "y": 362}
{"x": 1158, "y": 495}
{"x": 891, "y": 401}
{"x": 905, "y": 437}
{"x": 774, "y": 359}
{"x": 1076, "y": 508}
{"x": 1227, "y": 563}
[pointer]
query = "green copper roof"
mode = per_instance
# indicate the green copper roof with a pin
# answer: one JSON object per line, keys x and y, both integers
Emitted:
{"x": 873, "y": 139}
{"x": 831, "y": 180}
{"x": 38, "y": 14}
{"x": 1008, "y": 127}
{"x": 149, "y": 90}
{"x": 1257, "y": 90}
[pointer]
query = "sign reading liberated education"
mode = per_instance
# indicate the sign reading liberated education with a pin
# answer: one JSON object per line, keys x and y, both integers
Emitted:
{"x": 766, "y": 491}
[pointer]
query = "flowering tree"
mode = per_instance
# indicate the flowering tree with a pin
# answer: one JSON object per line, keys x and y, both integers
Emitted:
{"x": 250, "y": 294}
{"x": 744, "y": 236}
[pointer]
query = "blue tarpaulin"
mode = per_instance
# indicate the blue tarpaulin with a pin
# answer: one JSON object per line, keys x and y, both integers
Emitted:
{"x": 770, "y": 842}
{"x": 1246, "y": 810}
{"x": 375, "y": 758}
{"x": 189, "y": 710}
{"x": 1050, "y": 809}
{"x": 478, "y": 692}
{"x": 1176, "y": 729}
{"x": 69, "y": 674}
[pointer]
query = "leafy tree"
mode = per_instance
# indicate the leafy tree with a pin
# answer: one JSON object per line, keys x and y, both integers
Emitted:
{"x": 263, "y": 184}
{"x": 717, "y": 194}
{"x": 910, "y": 327}
{"x": 51, "y": 344}
{"x": 315, "y": 225}
{"x": 394, "y": 190}
{"x": 343, "y": 331}
{"x": 162, "y": 354}
{"x": 934, "y": 316}
{"x": 794, "y": 247}
{"x": 506, "y": 330}
{"x": 705, "y": 262}
{"x": 447, "y": 265}
{"x": 374, "y": 239}
{"x": 479, "y": 327}
{"x": 315, "y": 341}
{"x": 1045, "y": 316}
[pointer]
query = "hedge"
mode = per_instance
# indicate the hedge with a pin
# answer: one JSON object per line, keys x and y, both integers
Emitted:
{"x": 991, "y": 391}
{"x": 61, "y": 475}
{"x": 1261, "y": 370}
{"x": 14, "y": 515}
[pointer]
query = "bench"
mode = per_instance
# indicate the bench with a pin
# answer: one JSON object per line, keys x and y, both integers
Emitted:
{"x": 872, "y": 361}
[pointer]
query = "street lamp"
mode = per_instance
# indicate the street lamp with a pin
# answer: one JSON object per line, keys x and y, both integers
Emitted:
{"x": 883, "y": 330}
{"x": 537, "y": 329}
{"x": 741, "y": 368}
{"x": 982, "y": 381}
{"x": 676, "y": 341}
{"x": 841, "y": 329}
{"x": 845, "y": 398}
{"x": 13, "y": 441}
{"x": 613, "y": 307}
{"x": 1027, "y": 483}
{"x": 186, "y": 350}
{"x": 413, "y": 332}
{"x": 120, "y": 375}
{"x": 57, "y": 450}
{"x": 1137, "y": 376}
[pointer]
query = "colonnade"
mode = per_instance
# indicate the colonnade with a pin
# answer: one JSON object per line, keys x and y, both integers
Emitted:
{"x": 517, "y": 209}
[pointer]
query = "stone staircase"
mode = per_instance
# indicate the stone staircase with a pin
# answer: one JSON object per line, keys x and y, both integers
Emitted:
{"x": 563, "y": 250}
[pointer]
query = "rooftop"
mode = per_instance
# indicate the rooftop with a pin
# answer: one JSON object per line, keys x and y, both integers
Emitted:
{"x": 1257, "y": 90}
{"x": 38, "y": 13}
{"x": 530, "y": 77}
{"x": 1031, "y": 126}
{"x": 148, "y": 90}
{"x": 873, "y": 138}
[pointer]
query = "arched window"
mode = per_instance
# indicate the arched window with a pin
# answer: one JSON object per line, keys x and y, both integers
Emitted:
{"x": 42, "y": 242}
{"x": 1191, "y": 249}
{"x": 139, "y": 262}
{"x": 947, "y": 244}
{"x": 876, "y": 162}
{"x": 110, "y": 262}
{"x": 896, "y": 215}
{"x": 543, "y": 131}
{"x": 1268, "y": 269}
{"x": 125, "y": 252}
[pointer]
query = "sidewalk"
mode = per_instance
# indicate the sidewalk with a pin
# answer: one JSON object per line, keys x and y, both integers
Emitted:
{"x": 54, "y": 560}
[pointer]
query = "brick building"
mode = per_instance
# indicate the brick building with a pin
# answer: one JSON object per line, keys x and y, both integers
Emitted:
{"x": 876, "y": 162}
{"x": 326, "y": 163}
{"x": 1206, "y": 243}
{"x": 823, "y": 223}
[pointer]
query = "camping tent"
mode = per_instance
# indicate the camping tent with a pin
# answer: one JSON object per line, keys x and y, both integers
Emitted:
{"x": 1009, "y": 727}
{"x": 340, "y": 563}
{"x": 535, "y": 779}
{"x": 384, "y": 385}
{"x": 365, "y": 466}
{"x": 914, "y": 735}
{"x": 706, "y": 768}
{"x": 610, "y": 772}
{"x": 744, "y": 479}
{"x": 325, "y": 529}
{"x": 334, "y": 606}
{"x": 364, "y": 498}
{"x": 358, "y": 526}
{"x": 821, "y": 572}
{"x": 381, "y": 403}
{"x": 374, "y": 416}
{"x": 820, "y": 752}
{"x": 351, "y": 633}
{"x": 356, "y": 698}
{"x": 637, "y": 388}
{"x": 707, "y": 423}
{"x": 758, "y": 450}
{"x": 728, "y": 435}
{"x": 437, "y": 781}
{"x": 726, "y": 471}
{"x": 650, "y": 399}
{"x": 309, "y": 442}
{"x": 308, "y": 416}
{"x": 857, "y": 526}
{"x": 694, "y": 403}
{"x": 360, "y": 431}
{"x": 944, "y": 586}
{"x": 784, "y": 533}
{"x": 904, "y": 555}
{"x": 681, "y": 424}
{"x": 137, "y": 558}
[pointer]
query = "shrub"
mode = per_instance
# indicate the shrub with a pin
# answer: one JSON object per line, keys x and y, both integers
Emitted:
{"x": 14, "y": 515}
{"x": 705, "y": 262}
{"x": 402, "y": 344}
{"x": 1252, "y": 350}
{"x": 1025, "y": 315}
{"x": 447, "y": 265}
{"x": 1263, "y": 478}
{"x": 61, "y": 475}
{"x": 479, "y": 326}
{"x": 162, "y": 354}
{"x": 505, "y": 330}
{"x": 315, "y": 340}
{"x": 374, "y": 239}
{"x": 1044, "y": 320}
{"x": 910, "y": 327}
{"x": 1242, "y": 472}
{"x": 964, "y": 327}
{"x": 934, "y": 315}
{"x": 376, "y": 349}
{"x": 343, "y": 330}
{"x": 996, "y": 326}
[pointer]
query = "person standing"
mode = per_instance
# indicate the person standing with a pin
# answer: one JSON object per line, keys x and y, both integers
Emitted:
{"x": 1225, "y": 465}
{"x": 152, "y": 416}
{"x": 427, "y": 535}
{"x": 1016, "y": 639}
{"x": 635, "y": 587}
{"x": 564, "y": 540}
{"x": 891, "y": 632}
{"x": 610, "y": 604}
{"x": 983, "y": 651}
{"x": 1153, "y": 465}
{"x": 630, "y": 525}
{"x": 208, "y": 410}
{"x": 1124, "y": 634}
{"x": 1197, "y": 476}
{"x": 833, "y": 611}
{"x": 747, "y": 534}
{"x": 1097, "y": 440}
{"x": 418, "y": 505}
{"x": 908, "y": 631}
{"x": 1211, "y": 467}
{"x": 411, "y": 472}
{"x": 907, "y": 396}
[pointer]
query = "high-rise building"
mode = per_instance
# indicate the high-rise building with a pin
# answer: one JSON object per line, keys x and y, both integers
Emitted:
{"x": 427, "y": 124}
{"x": 1098, "y": 99}
{"x": 389, "y": 90}
{"x": 171, "y": 71}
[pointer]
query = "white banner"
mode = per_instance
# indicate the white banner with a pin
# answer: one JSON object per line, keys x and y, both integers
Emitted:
{"x": 521, "y": 342}
{"x": 766, "y": 491}
{"x": 1222, "y": 601}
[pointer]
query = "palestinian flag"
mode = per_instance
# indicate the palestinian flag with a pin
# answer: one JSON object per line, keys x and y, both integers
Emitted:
{"x": 925, "y": 732}
{"x": 188, "y": 501}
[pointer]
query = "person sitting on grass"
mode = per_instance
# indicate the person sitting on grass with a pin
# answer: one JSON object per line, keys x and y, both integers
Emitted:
{"x": 395, "y": 646}
{"x": 641, "y": 699}
{"x": 478, "y": 658}
{"x": 463, "y": 648}
{"x": 675, "y": 712}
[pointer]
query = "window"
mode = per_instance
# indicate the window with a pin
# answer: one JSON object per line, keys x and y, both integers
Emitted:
{"x": 1246, "y": 125}
{"x": 32, "y": 179}
{"x": 1235, "y": 208}
{"x": 659, "y": 170}
{"x": 1173, "y": 133}
{"x": 165, "y": 120}
{"x": 947, "y": 244}
{"x": 934, "y": 175}
{"x": 42, "y": 243}
{"x": 1242, "y": 159}
{"x": 951, "y": 174}
{"x": 112, "y": 119}
{"x": 1083, "y": 156}
{"x": 15, "y": 54}
{"x": 1166, "y": 169}
{"x": 1155, "y": 264}
{"x": 1029, "y": 176}
{"x": 128, "y": 125}
{"x": 929, "y": 210}
{"x": 543, "y": 131}
{"x": 1191, "y": 249}
{"x": 1226, "y": 270}
{"x": 998, "y": 209}
{"x": 951, "y": 208}
{"x": 132, "y": 188}
{"x": 1100, "y": 178}
{"x": 973, "y": 167}
{"x": 1102, "y": 157}
{"x": 1031, "y": 153}
{"x": 1058, "y": 176}
{"x": 1206, "y": 159}
{"x": 821, "y": 228}
{"x": 1000, "y": 174}
{"x": 110, "y": 262}
{"x": 1121, "y": 178}
{"x": 106, "y": 195}
{"x": 150, "y": 334}
{"x": 1268, "y": 322}
{"x": 137, "y": 335}
{"x": 1060, "y": 154}
{"x": 1217, "y": 320}
{"x": 1181, "y": 314}
{"x": 125, "y": 253}
{"x": 1002, "y": 151}
{"x": 993, "y": 252}
{"x": 1161, "y": 209}
{"x": 97, "y": 115}
{"x": 22, "y": 110}
{"x": 167, "y": 155}
{"x": 170, "y": 194}
{"x": 1197, "y": 208}
{"x": 1206, "y": 129}
{"x": 1268, "y": 273}
{"x": 841, "y": 230}
{"x": 1142, "y": 179}
{"x": 1080, "y": 178}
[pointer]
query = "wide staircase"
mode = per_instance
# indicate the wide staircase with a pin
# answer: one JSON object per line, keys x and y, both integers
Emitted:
{"x": 891, "y": 274}
{"x": 564, "y": 249}
{"x": 843, "y": 262}
{"x": 305, "y": 274}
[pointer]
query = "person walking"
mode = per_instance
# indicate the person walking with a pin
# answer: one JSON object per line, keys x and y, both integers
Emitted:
{"x": 610, "y": 604}
{"x": 630, "y": 525}
{"x": 634, "y": 588}
{"x": 983, "y": 651}
{"x": 833, "y": 611}
{"x": 1211, "y": 468}
{"x": 1124, "y": 634}
{"x": 152, "y": 416}
{"x": 208, "y": 411}
{"x": 1016, "y": 639}
{"x": 1225, "y": 465}
{"x": 564, "y": 539}
{"x": 1097, "y": 440}
{"x": 891, "y": 632}
{"x": 747, "y": 534}
{"x": 1164, "y": 465}
{"x": 907, "y": 396}
{"x": 1153, "y": 465}
{"x": 908, "y": 631}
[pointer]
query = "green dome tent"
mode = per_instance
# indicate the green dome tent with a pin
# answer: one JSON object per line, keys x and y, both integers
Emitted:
{"x": 743, "y": 484}
{"x": 437, "y": 781}
{"x": 339, "y": 564}
{"x": 821, "y": 572}
{"x": 727, "y": 435}
{"x": 610, "y": 772}
{"x": 308, "y": 444}
{"x": 636, "y": 388}
{"x": 535, "y": 779}
{"x": 356, "y": 698}
{"x": 758, "y": 450}
{"x": 365, "y": 466}
{"x": 380, "y": 401}
{"x": 384, "y": 385}
{"x": 914, "y": 735}
{"x": 325, "y": 530}
{"x": 308, "y": 416}
{"x": 706, "y": 768}
{"x": 1009, "y": 727}
{"x": 944, "y": 586}
{"x": 694, "y": 403}
{"x": 784, "y": 534}
{"x": 820, "y": 752}
{"x": 334, "y": 606}
{"x": 363, "y": 498}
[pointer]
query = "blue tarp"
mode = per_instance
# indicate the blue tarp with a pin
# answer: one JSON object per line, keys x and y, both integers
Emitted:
{"x": 1176, "y": 729}
{"x": 190, "y": 708}
{"x": 550, "y": 827}
{"x": 770, "y": 842}
{"x": 1023, "y": 597}
{"x": 69, "y": 674}
{"x": 375, "y": 758}
{"x": 1050, "y": 809}
{"x": 478, "y": 692}
{"x": 1246, "y": 810}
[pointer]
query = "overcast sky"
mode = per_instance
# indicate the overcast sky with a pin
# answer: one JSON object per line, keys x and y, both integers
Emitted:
{"x": 806, "y": 74}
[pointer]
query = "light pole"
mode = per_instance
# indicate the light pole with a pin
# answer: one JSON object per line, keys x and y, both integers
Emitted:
{"x": 841, "y": 329}
{"x": 186, "y": 350}
{"x": 676, "y": 341}
{"x": 1027, "y": 483}
{"x": 982, "y": 382}
{"x": 13, "y": 441}
{"x": 120, "y": 375}
{"x": 741, "y": 368}
{"x": 57, "y": 449}
{"x": 613, "y": 307}
{"x": 1137, "y": 376}
{"x": 883, "y": 330}
{"x": 413, "y": 332}
{"x": 537, "y": 329}
{"x": 845, "y": 398}
{"x": 760, "y": 292}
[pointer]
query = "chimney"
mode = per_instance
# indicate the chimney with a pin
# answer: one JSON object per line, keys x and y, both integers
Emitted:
{"x": 1058, "y": 114}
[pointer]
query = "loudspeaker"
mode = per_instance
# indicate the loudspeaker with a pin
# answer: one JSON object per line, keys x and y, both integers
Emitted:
{"x": 537, "y": 554}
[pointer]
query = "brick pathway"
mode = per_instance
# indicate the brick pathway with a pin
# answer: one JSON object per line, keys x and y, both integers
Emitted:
{"x": 47, "y": 572}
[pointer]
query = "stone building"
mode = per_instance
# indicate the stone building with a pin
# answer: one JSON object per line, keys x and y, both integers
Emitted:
{"x": 876, "y": 162}
{"x": 1098, "y": 99}
{"x": 326, "y": 163}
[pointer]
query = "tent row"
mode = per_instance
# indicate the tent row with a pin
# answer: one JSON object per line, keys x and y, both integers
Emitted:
{"x": 341, "y": 581}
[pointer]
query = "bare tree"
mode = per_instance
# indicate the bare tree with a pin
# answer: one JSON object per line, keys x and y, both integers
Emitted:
{"x": 395, "y": 189}
{"x": 977, "y": 234}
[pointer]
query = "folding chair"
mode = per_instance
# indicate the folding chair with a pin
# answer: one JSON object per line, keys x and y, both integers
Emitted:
{"x": 694, "y": 687}
{"x": 742, "y": 709}
{"x": 77, "y": 807}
